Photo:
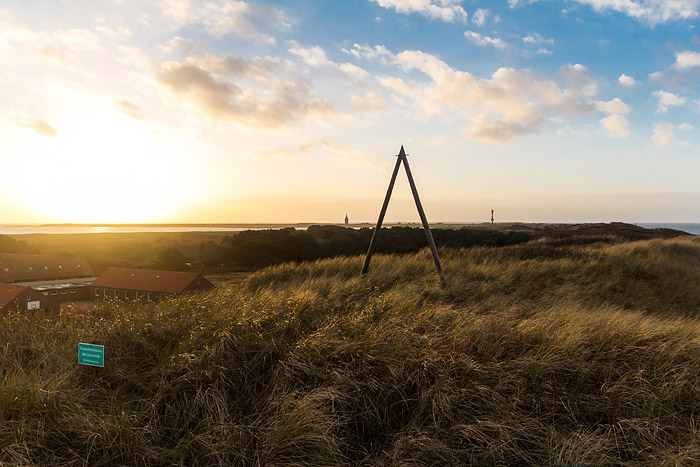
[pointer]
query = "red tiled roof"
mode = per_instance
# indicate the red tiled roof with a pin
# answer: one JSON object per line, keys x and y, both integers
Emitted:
{"x": 149, "y": 280}
{"x": 9, "y": 292}
{"x": 20, "y": 267}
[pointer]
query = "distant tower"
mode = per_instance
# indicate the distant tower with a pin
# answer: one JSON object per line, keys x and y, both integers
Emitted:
{"x": 346, "y": 219}
{"x": 492, "y": 216}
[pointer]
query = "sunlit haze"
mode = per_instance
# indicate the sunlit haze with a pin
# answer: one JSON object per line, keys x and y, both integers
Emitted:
{"x": 224, "y": 111}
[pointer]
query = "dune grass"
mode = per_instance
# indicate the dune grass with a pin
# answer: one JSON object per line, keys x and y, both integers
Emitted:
{"x": 582, "y": 351}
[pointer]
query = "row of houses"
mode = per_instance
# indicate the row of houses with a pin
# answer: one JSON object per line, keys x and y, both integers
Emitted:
{"x": 146, "y": 285}
{"x": 20, "y": 267}
{"x": 138, "y": 285}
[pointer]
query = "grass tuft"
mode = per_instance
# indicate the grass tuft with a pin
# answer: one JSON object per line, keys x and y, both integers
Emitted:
{"x": 553, "y": 352}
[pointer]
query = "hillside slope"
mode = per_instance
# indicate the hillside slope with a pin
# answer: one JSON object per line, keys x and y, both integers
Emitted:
{"x": 554, "y": 352}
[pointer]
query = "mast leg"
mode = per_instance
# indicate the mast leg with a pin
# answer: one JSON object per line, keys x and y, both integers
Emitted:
{"x": 373, "y": 242}
{"x": 424, "y": 220}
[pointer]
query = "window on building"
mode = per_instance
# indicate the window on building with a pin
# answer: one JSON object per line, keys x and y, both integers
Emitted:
{"x": 116, "y": 294}
{"x": 72, "y": 290}
{"x": 126, "y": 295}
{"x": 54, "y": 292}
{"x": 64, "y": 292}
{"x": 160, "y": 297}
{"x": 29, "y": 298}
{"x": 148, "y": 296}
{"x": 44, "y": 293}
{"x": 137, "y": 295}
{"x": 97, "y": 292}
{"x": 104, "y": 293}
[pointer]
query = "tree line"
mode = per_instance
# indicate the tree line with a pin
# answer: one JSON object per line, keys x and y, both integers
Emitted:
{"x": 260, "y": 248}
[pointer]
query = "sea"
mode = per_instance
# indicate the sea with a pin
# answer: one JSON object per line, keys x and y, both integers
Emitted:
{"x": 690, "y": 228}
{"x": 52, "y": 229}
{"x": 78, "y": 229}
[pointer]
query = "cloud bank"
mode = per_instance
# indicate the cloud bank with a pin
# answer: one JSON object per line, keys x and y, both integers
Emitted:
{"x": 443, "y": 10}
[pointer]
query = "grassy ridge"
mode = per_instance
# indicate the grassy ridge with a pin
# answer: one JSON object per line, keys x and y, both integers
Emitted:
{"x": 554, "y": 352}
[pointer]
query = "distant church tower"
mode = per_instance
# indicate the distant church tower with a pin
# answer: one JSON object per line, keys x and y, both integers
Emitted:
{"x": 492, "y": 216}
{"x": 346, "y": 219}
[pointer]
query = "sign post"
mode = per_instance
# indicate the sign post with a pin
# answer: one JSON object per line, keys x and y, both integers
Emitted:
{"x": 91, "y": 355}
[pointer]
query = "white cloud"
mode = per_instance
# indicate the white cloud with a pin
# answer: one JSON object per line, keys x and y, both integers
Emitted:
{"x": 615, "y": 106}
{"x": 544, "y": 51}
{"x": 535, "y": 38}
{"x": 517, "y": 3}
{"x": 509, "y": 104}
{"x": 114, "y": 32}
{"x": 663, "y": 134}
{"x": 367, "y": 52}
{"x": 687, "y": 60}
{"x": 626, "y": 81}
{"x": 616, "y": 126}
{"x": 479, "y": 17}
{"x": 134, "y": 57}
{"x": 667, "y": 99}
{"x": 579, "y": 77}
{"x": 443, "y": 10}
{"x": 62, "y": 46}
{"x": 656, "y": 76}
{"x": 651, "y": 12}
{"x": 370, "y": 102}
{"x": 316, "y": 57}
{"x": 485, "y": 41}
{"x": 79, "y": 39}
{"x": 224, "y": 96}
{"x": 225, "y": 17}
{"x": 130, "y": 109}
{"x": 685, "y": 126}
{"x": 42, "y": 128}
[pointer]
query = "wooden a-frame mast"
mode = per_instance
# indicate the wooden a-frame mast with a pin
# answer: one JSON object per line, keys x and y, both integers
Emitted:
{"x": 401, "y": 158}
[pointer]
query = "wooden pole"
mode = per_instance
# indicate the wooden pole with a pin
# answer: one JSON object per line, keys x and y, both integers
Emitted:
{"x": 373, "y": 242}
{"x": 424, "y": 220}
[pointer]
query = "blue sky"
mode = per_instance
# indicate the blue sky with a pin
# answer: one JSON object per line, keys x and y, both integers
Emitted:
{"x": 243, "y": 111}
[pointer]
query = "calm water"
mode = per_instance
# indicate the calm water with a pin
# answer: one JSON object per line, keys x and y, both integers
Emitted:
{"x": 690, "y": 228}
{"x": 38, "y": 229}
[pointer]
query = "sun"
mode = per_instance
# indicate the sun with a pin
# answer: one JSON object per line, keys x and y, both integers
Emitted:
{"x": 105, "y": 168}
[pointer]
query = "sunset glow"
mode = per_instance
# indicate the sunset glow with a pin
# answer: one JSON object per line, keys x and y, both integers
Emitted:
{"x": 246, "y": 111}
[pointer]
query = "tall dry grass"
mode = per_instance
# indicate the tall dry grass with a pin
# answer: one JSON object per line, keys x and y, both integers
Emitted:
{"x": 554, "y": 352}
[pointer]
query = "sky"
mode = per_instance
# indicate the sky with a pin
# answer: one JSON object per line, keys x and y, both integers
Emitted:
{"x": 293, "y": 111}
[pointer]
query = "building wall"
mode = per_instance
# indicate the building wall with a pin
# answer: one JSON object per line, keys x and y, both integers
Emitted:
{"x": 31, "y": 296}
{"x": 128, "y": 295}
{"x": 67, "y": 294}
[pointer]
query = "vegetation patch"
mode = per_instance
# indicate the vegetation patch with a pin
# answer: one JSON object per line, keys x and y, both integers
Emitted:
{"x": 542, "y": 353}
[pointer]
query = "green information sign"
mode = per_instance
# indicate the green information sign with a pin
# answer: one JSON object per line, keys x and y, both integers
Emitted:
{"x": 93, "y": 355}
